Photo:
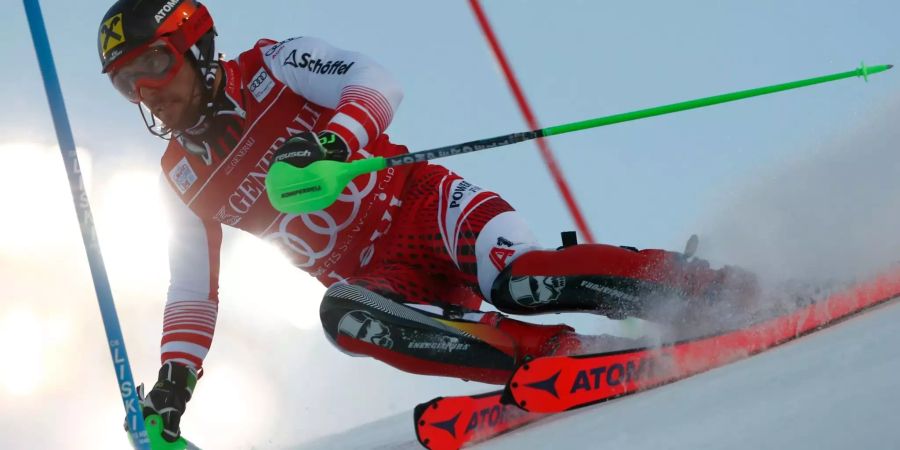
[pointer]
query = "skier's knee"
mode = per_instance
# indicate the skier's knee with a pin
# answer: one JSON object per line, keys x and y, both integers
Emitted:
{"x": 331, "y": 312}
{"x": 364, "y": 323}
{"x": 522, "y": 288}
{"x": 349, "y": 312}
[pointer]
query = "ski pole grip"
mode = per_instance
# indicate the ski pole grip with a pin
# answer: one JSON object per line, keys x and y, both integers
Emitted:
{"x": 295, "y": 190}
{"x": 154, "y": 426}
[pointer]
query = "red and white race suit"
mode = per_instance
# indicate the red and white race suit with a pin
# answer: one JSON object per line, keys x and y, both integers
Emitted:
{"x": 448, "y": 239}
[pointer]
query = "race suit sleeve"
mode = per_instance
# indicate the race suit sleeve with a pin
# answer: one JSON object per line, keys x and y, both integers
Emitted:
{"x": 189, "y": 321}
{"x": 362, "y": 93}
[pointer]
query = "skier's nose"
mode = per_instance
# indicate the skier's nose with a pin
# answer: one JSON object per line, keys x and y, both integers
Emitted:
{"x": 147, "y": 93}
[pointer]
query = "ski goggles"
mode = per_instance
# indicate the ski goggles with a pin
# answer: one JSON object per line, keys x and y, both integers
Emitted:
{"x": 152, "y": 67}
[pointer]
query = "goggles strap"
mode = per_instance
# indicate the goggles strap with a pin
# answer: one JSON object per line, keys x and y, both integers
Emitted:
{"x": 203, "y": 54}
{"x": 192, "y": 30}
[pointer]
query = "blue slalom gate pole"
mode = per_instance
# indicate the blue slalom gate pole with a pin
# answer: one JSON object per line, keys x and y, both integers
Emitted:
{"x": 135, "y": 420}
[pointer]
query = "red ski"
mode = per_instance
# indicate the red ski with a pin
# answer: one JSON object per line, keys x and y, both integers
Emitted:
{"x": 557, "y": 384}
{"x": 448, "y": 423}
{"x": 560, "y": 383}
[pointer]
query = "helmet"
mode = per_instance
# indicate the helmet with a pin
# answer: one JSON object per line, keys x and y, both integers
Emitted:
{"x": 155, "y": 35}
{"x": 131, "y": 25}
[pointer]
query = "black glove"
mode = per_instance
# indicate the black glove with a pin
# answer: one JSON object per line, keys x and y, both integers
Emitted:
{"x": 306, "y": 148}
{"x": 169, "y": 397}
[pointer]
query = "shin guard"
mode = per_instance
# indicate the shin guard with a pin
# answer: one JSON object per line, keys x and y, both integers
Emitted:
{"x": 613, "y": 281}
{"x": 486, "y": 348}
{"x": 362, "y": 322}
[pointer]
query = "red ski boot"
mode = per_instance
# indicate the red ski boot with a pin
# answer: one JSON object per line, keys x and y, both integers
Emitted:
{"x": 533, "y": 340}
{"x": 617, "y": 282}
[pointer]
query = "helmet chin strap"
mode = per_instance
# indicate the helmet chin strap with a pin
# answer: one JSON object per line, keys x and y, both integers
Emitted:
{"x": 203, "y": 123}
{"x": 200, "y": 149}
{"x": 206, "y": 105}
{"x": 202, "y": 53}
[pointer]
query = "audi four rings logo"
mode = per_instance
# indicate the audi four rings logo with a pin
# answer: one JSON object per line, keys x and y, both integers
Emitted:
{"x": 263, "y": 76}
{"x": 323, "y": 223}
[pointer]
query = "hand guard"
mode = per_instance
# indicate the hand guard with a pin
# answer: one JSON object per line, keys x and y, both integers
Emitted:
{"x": 306, "y": 148}
{"x": 169, "y": 397}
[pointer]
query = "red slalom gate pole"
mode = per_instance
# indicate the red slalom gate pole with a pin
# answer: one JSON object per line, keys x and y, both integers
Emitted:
{"x": 543, "y": 146}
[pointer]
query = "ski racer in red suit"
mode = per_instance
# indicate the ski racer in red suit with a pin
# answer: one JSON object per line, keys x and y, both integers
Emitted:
{"x": 409, "y": 254}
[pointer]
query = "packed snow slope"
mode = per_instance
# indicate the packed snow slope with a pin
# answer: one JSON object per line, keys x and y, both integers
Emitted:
{"x": 837, "y": 388}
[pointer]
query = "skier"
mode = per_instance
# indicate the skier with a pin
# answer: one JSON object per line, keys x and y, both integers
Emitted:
{"x": 408, "y": 254}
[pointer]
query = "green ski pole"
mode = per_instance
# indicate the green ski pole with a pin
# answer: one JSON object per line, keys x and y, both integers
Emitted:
{"x": 295, "y": 191}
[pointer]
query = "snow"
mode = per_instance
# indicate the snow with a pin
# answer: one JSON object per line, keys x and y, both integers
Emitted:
{"x": 837, "y": 388}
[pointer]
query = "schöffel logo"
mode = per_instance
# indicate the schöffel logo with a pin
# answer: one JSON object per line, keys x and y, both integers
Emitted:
{"x": 317, "y": 65}
{"x": 165, "y": 10}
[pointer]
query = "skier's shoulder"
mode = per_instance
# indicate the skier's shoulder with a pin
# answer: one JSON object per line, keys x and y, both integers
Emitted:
{"x": 306, "y": 52}
{"x": 271, "y": 54}
{"x": 272, "y": 49}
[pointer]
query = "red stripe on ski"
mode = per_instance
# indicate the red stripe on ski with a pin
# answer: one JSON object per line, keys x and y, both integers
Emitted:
{"x": 554, "y": 384}
{"x": 449, "y": 423}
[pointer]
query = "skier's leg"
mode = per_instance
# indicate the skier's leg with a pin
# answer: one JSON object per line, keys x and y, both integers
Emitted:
{"x": 445, "y": 249}
{"x": 487, "y": 245}
{"x": 615, "y": 281}
{"x": 465, "y": 235}
{"x": 422, "y": 339}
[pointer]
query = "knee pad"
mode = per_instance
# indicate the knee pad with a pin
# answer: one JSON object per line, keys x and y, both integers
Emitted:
{"x": 358, "y": 313}
{"x": 596, "y": 278}
{"x": 363, "y": 323}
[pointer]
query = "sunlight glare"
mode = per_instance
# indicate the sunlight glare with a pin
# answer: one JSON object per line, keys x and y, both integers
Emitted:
{"x": 262, "y": 281}
{"x": 40, "y": 216}
{"x": 214, "y": 407}
{"x": 133, "y": 230}
{"x": 22, "y": 347}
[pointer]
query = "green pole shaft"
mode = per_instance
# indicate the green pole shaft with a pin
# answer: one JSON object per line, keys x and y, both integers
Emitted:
{"x": 707, "y": 101}
{"x": 295, "y": 190}
{"x": 513, "y": 138}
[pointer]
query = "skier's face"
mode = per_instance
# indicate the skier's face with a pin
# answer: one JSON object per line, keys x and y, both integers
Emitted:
{"x": 176, "y": 103}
